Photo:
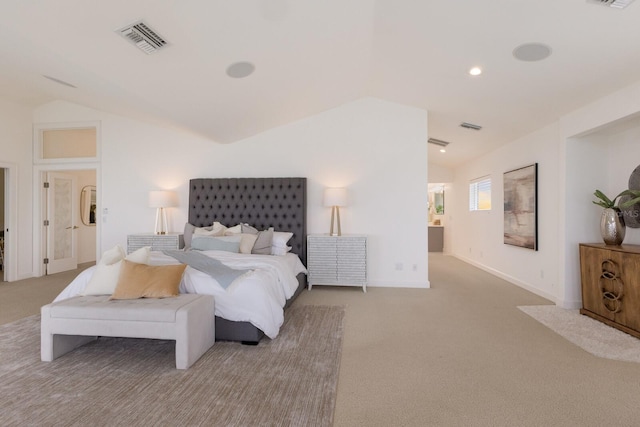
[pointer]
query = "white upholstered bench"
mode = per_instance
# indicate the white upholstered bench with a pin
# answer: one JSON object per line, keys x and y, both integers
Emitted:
{"x": 188, "y": 319}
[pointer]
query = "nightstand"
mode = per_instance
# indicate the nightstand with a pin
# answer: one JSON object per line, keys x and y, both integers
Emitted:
{"x": 337, "y": 260}
{"x": 158, "y": 242}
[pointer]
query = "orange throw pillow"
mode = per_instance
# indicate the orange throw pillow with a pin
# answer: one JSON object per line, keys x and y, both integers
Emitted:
{"x": 148, "y": 281}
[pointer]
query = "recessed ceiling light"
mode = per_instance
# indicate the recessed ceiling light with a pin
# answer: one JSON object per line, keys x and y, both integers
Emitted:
{"x": 442, "y": 150}
{"x": 240, "y": 70}
{"x": 532, "y": 52}
{"x": 475, "y": 71}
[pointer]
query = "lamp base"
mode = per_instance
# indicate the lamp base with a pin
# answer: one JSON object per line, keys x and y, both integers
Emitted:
{"x": 335, "y": 214}
{"x": 161, "y": 222}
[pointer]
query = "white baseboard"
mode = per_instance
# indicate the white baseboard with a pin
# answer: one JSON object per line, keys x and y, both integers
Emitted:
{"x": 510, "y": 279}
{"x": 386, "y": 284}
{"x": 569, "y": 305}
{"x": 27, "y": 276}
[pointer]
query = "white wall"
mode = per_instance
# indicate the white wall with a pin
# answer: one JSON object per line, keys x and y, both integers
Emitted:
{"x": 439, "y": 173}
{"x": 595, "y": 147}
{"x": 376, "y": 149}
{"x": 603, "y": 160}
{"x": 478, "y": 236}
{"x": 15, "y": 154}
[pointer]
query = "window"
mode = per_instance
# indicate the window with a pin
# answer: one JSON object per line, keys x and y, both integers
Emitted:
{"x": 66, "y": 142}
{"x": 480, "y": 194}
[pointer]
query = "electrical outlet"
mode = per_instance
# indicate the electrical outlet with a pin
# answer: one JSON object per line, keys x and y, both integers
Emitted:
{"x": 415, "y": 267}
{"x": 399, "y": 266}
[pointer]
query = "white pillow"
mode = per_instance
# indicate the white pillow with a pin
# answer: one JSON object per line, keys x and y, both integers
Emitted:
{"x": 216, "y": 229}
{"x": 279, "y": 243}
{"x": 112, "y": 255}
{"x": 280, "y": 251}
{"x": 236, "y": 229}
{"x": 140, "y": 256}
{"x": 104, "y": 279}
{"x": 105, "y": 276}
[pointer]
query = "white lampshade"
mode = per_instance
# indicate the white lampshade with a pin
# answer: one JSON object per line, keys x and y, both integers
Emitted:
{"x": 163, "y": 199}
{"x": 335, "y": 197}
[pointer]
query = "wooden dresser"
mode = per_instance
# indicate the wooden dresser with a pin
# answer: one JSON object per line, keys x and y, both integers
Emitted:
{"x": 611, "y": 285}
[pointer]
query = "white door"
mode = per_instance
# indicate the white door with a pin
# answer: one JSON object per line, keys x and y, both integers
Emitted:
{"x": 62, "y": 215}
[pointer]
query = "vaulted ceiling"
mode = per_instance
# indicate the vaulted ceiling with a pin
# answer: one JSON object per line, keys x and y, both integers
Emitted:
{"x": 314, "y": 55}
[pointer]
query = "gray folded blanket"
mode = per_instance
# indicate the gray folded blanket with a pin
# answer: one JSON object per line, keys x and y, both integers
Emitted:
{"x": 214, "y": 268}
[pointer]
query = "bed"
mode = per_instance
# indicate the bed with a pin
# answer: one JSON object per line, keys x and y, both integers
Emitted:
{"x": 261, "y": 202}
{"x": 251, "y": 303}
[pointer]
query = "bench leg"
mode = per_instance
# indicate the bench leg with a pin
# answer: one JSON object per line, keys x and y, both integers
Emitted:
{"x": 53, "y": 346}
{"x": 195, "y": 334}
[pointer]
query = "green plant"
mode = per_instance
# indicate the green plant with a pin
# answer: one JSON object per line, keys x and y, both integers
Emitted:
{"x": 606, "y": 202}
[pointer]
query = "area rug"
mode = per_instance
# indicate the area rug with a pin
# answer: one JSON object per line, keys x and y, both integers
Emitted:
{"x": 589, "y": 334}
{"x": 288, "y": 381}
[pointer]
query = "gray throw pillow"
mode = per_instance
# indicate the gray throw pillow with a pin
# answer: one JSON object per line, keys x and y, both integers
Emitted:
{"x": 262, "y": 246}
{"x": 247, "y": 229}
{"x": 188, "y": 233}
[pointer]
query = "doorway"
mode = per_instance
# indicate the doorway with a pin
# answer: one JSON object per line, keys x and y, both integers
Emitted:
{"x": 437, "y": 221}
{"x": 68, "y": 240}
{"x": 66, "y": 160}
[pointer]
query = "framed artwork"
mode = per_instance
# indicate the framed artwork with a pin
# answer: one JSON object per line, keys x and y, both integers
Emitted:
{"x": 521, "y": 207}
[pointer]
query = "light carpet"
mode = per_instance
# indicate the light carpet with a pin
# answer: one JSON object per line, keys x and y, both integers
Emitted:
{"x": 591, "y": 335}
{"x": 288, "y": 381}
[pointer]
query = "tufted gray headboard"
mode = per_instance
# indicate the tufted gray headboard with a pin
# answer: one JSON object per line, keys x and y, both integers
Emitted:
{"x": 261, "y": 202}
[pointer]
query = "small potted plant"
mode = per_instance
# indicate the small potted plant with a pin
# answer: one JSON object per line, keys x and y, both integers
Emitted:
{"x": 612, "y": 226}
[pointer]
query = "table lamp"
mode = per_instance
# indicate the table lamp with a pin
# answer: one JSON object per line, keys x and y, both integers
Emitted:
{"x": 335, "y": 197}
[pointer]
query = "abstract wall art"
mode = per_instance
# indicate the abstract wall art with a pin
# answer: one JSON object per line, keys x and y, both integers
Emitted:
{"x": 521, "y": 207}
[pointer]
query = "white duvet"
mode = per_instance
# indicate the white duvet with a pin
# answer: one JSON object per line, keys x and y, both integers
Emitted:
{"x": 257, "y": 296}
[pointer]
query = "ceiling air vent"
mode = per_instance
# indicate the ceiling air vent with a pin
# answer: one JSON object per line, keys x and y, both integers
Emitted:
{"x": 470, "y": 126}
{"x": 618, "y": 4}
{"x": 439, "y": 142}
{"x": 141, "y": 35}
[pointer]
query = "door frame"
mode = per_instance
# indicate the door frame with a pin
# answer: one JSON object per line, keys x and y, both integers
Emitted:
{"x": 39, "y": 208}
{"x": 10, "y": 266}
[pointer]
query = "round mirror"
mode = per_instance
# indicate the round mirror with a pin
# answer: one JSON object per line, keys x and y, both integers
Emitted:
{"x": 88, "y": 205}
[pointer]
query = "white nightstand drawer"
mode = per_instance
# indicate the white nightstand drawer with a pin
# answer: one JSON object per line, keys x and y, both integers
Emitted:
{"x": 337, "y": 260}
{"x": 158, "y": 242}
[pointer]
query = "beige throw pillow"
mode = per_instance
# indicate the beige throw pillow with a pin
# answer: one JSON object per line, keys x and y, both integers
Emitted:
{"x": 148, "y": 281}
{"x": 247, "y": 240}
